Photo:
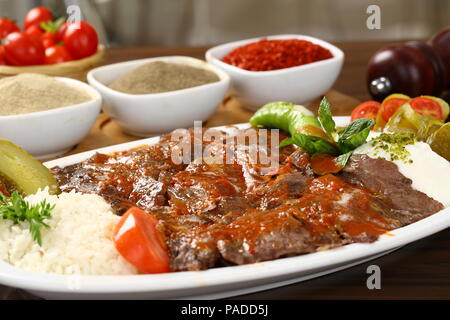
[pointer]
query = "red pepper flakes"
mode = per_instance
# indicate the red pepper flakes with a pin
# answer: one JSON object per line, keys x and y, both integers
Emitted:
{"x": 265, "y": 55}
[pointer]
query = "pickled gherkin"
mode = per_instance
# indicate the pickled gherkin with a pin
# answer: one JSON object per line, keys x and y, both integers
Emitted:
{"x": 439, "y": 141}
{"x": 405, "y": 119}
{"x": 19, "y": 171}
{"x": 387, "y": 107}
{"x": 428, "y": 125}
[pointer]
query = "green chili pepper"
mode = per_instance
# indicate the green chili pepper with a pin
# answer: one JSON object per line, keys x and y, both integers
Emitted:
{"x": 285, "y": 116}
{"x": 314, "y": 135}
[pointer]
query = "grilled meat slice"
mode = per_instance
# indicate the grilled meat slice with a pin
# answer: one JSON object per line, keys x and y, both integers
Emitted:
{"x": 265, "y": 235}
{"x": 290, "y": 185}
{"x": 200, "y": 188}
{"x": 134, "y": 177}
{"x": 300, "y": 159}
{"x": 190, "y": 246}
{"x": 198, "y": 243}
{"x": 401, "y": 201}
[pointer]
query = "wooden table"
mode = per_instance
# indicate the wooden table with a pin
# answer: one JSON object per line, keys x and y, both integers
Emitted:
{"x": 417, "y": 271}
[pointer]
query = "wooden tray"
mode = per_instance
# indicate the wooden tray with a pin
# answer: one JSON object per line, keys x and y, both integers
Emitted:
{"x": 106, "y": 132}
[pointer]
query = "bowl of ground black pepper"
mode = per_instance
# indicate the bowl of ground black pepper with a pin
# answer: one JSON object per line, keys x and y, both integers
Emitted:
{"x": 157, "y": 95}
{"x": 289, "y": 67}
{"x": 46, "y": 116}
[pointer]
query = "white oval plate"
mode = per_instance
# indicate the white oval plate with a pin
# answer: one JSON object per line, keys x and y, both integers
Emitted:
{"x": 217, "y": 282}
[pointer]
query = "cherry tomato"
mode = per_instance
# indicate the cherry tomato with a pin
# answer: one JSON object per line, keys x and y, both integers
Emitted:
{"x": 388, "y": 107}
{"x": 22, "y": 49}
{"x": 368, "y": 109}
{"x": 427, "y": 106}
{"x": 7, "y": 26}
{"x": 48, "y": 39}
{"x": 138, "y": 240}
{"x": 37, "y": 15}
{"x": 57, "y": 54}
{"x": 80, "y": 39}
{"x": 59, "y": 35}
{"x": 2, "y": 55}
{"x": 35, "y": 31}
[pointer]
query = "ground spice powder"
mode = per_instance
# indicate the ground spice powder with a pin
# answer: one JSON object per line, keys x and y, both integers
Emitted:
{"x": 31, "y": 92}
{"x": 266, "y": 55}
{"x": 159, "y": 76}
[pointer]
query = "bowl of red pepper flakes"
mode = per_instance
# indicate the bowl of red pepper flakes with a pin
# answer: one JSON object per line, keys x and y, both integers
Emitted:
{"x": 275, "y": 54}
{"x": 293, "y": 68}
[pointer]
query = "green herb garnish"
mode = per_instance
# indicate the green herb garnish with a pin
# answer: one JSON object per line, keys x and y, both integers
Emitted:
{"x": 16, "y": 209}
{"x": 314, "y": 135}
{"x": 355, "y": 134}
{"x": 326, "y": 119}
{"x": 342, "y": 143}
{"x": 343, "y": 158}
{"x": 311, "y": 144}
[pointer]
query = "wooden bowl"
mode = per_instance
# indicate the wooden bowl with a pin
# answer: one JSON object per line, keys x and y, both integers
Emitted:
{"x": 76, "y": 69}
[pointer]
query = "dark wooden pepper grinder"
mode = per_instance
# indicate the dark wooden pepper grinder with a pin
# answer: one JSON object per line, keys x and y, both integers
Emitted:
{"x": 413, "y": 68}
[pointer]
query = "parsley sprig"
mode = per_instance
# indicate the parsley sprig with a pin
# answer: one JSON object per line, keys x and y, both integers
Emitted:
{"x": 16, "y": 209}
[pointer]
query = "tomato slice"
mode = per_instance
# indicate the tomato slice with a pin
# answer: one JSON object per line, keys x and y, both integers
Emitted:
{"x": 138, "y": 240}
{"x": 427, "y": 106}
{"x": 388, "y": 107}
{"x": 368, "y": 109}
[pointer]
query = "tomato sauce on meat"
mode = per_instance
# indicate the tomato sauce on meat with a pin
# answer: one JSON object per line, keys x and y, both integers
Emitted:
{"x": 332, "y": 201}
{"x": 233, "y": 213}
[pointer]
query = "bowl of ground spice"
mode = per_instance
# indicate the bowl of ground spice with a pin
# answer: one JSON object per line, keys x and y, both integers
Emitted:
{"x": 157, "y": 95}
{"x": 46, "y": 116}
{"x": 290, "y": 67}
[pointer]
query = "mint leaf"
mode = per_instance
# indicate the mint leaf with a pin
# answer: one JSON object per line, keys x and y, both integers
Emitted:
{"x": 343, "y": 159}
{"x": 325, "y": 117}
{"x": 355, "y": 134}
{"x": 311, "y": 144}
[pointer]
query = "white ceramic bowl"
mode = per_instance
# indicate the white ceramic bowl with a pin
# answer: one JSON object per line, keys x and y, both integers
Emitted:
{"x": 299, "y": 85}
{"x": 46, "y": 134}
{"x": 146, "y": 114}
